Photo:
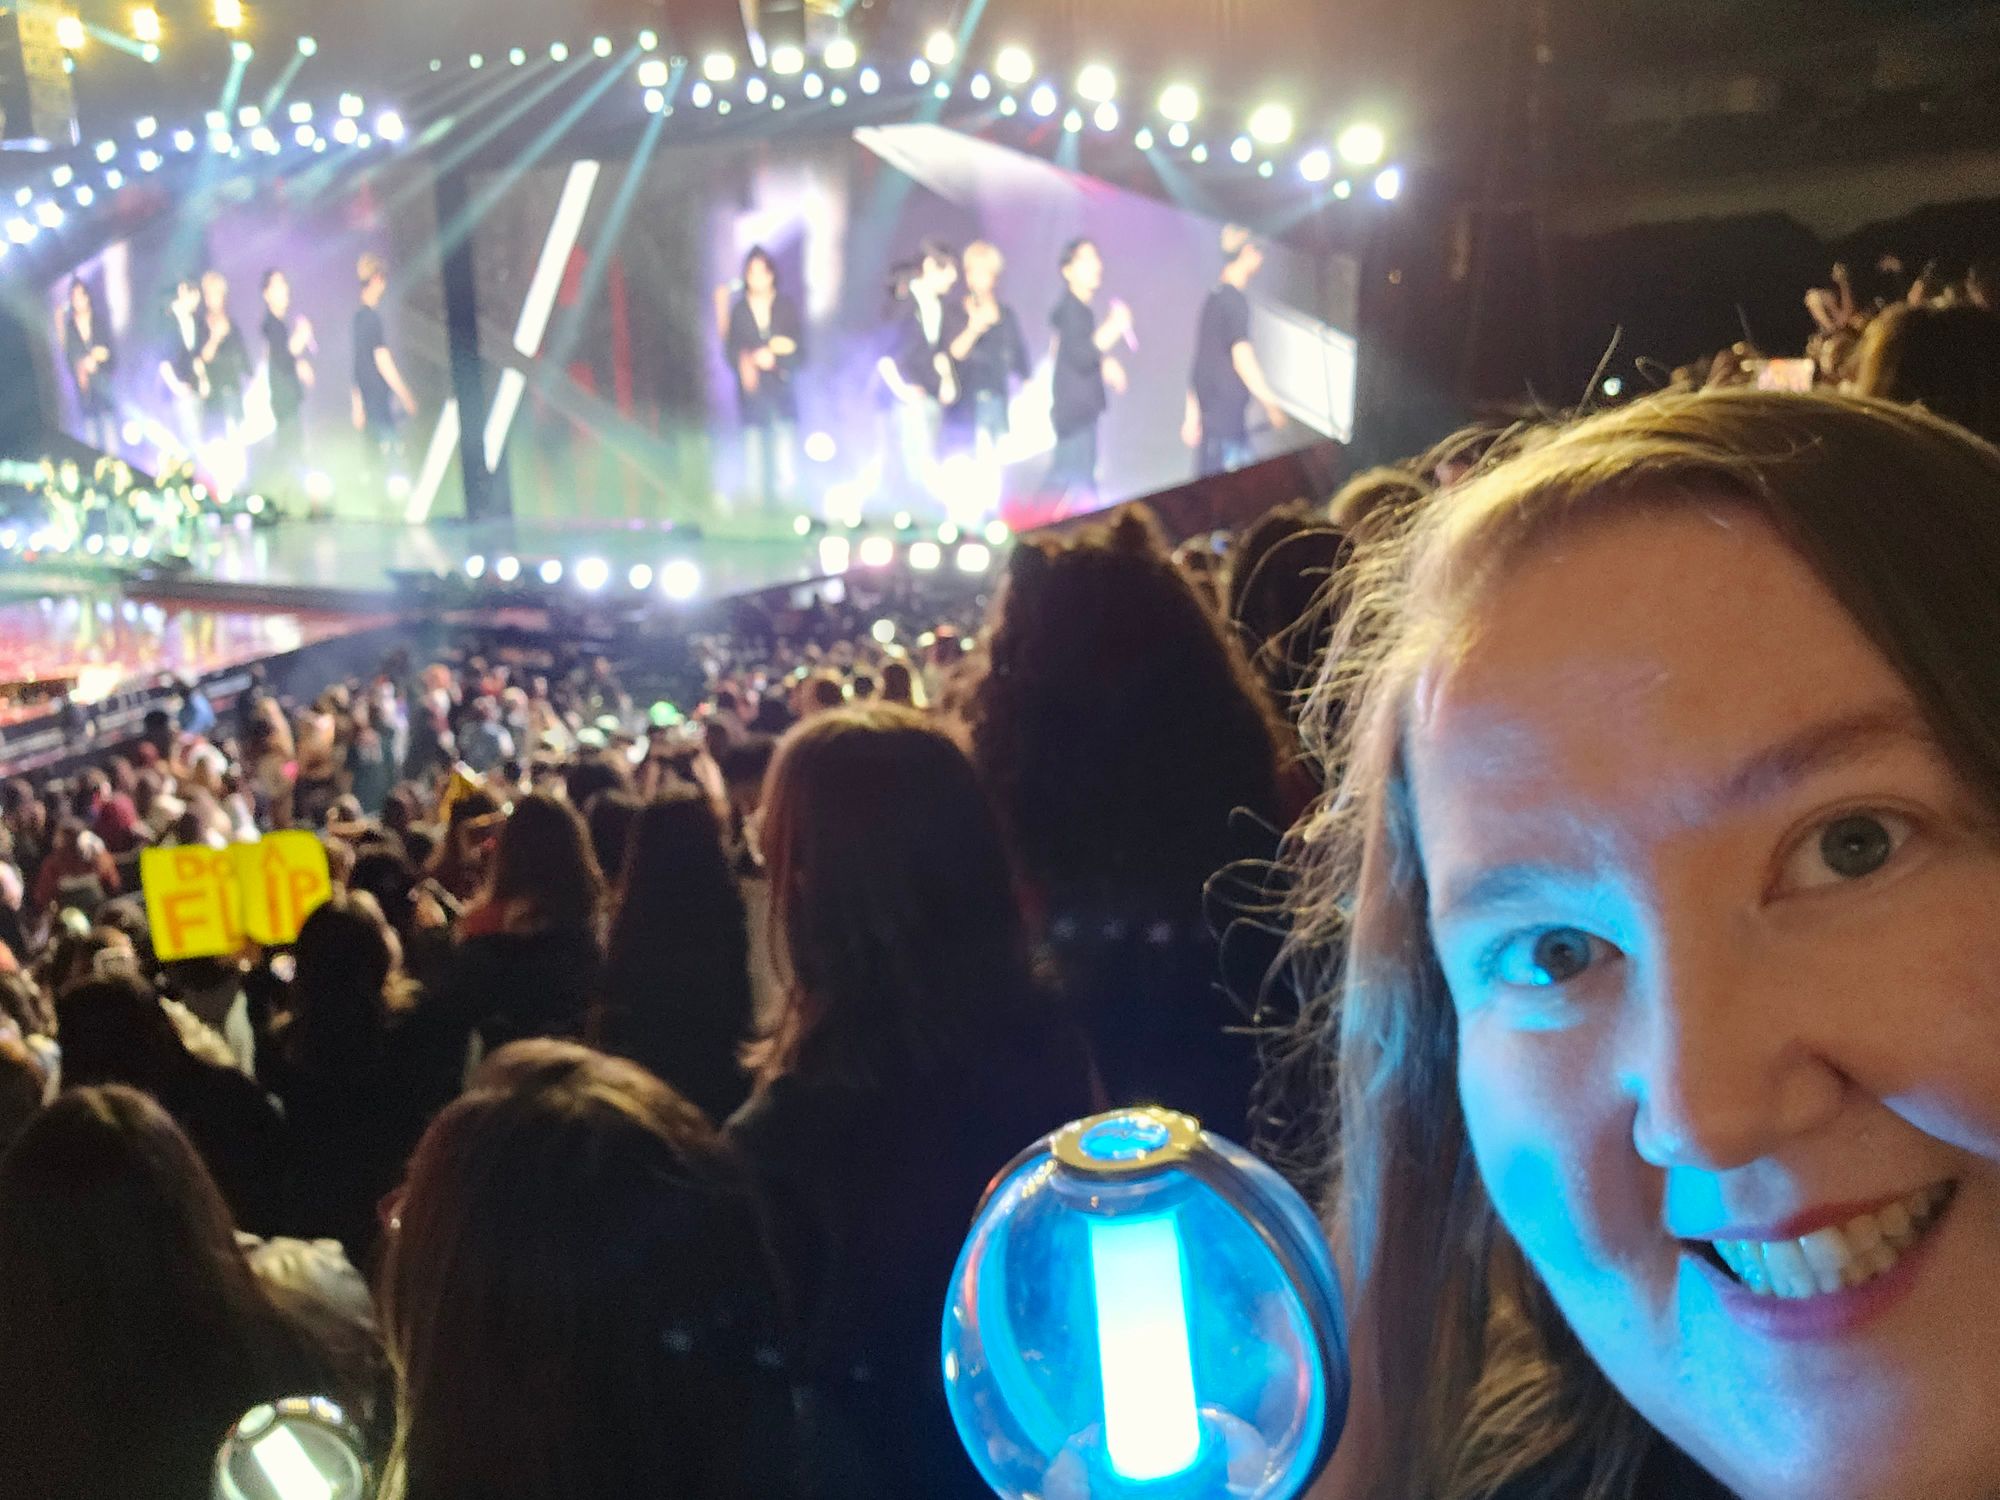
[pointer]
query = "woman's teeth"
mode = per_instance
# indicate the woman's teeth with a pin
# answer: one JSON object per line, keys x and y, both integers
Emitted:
{"x": 1843, "y": 1256}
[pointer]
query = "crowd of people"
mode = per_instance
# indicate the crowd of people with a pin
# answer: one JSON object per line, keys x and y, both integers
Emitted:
{"x": 1523, "y": 848}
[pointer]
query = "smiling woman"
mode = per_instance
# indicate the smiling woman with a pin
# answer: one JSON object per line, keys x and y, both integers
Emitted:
{"x": 1666, "y": 864}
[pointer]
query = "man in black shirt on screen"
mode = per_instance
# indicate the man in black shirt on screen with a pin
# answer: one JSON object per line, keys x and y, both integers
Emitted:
{"x": 381, "y": 399}
{"x": 1085, "y": 374}
{"x": 1227, "y": 376}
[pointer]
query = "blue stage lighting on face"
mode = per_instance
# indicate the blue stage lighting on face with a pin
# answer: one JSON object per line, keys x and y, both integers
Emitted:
{"x": 1144, "y": 1309}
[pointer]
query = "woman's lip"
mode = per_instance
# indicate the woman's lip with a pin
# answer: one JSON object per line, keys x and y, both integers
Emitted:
{"x": 1811, "y": 1220}
{"x": 1826, "y": 1314}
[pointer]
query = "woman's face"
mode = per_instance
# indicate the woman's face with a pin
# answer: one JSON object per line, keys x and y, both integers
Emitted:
{"x": 757, "y": 277}
{"x": 1722, "y": 932}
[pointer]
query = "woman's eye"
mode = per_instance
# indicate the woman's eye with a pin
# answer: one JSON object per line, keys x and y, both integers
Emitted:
{"x": 1850, "y": 847}
{"x": 1543, "y": 957}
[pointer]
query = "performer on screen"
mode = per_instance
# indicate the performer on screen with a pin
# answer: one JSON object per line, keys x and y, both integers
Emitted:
{"x": 381, "y": 398}
{"x": 1086, "y": 374}
{"x": 87, "y": 349}
{"x": 763, "y": 336}
{"x": 180, "y": 365}
{"x": 918, "y": 370}
{"x": 224, "y": 361}
{"x": 990, "y": 353}
{"x": 289, "y": 349}
{"x": 1227, "y": 376}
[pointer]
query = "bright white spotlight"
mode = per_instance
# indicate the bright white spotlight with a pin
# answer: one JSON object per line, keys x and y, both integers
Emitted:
{"x": 476, "y": 61}
{"x": 974, "y": 557}
{"x": 841, "y": 54}
{"x": 507, "y": 569}
{"x": 1097, "y": 83}
{"x": 942, "y": 91}
{"x": 1014, "y": 66}
{"x": 813, "y": 86}
{"x": 592, "y": 574}
{"x": 475, "y": 567}
{"x": 649, "y": 40}
{"x": 108, "y": 150}
{"x": 718, "y": 67}
{"x": 146, "y": 127}
{"x": 756, "y": 90}
{"x": 700, "y": 96}
{"x": 981, "y": 86}
{"x": 308, "y": 47}
{"x": 654, "y": 100}
{"x": 70, "y": 35}
{"x": 1362, "y": 144}
{"x": 871, "y": 81}
{"x": 550, "y": 571}
{"x": 787, "y": 59}
{"x": 351, "y": 106}
{"x": 723, "y": 106}
{"x": 821, "y": 449}
{"x": 346, "y": 131}
{"x": 149, "y": 161}
{"x": 241, "y": 51}
{"x": 518, "y": 56}
{"x": 84, "y": 196}
{"x": 884, "y": 631}
{"x": 1614, "y": 386}
{"x": 680, "y": 579}
{"x": 920, "y": 72}
{"x": 641, "y": 576}
{"x": 1178, "y": 135}
{"x": 1389, "y": 184}
{"x": 1343, "y": 189}
{"x": 146, "y": 24}
{"x": 247, "y": 118}
{"x": 1009, "y": 106}
{"x": 1272, "y": 124}
{"x": 1073, "y": 121}
{"x": 389, "y": 125}
{"x": 600, "y": 46}
{"x": 925, "y": 557}
{"x": 49, "y": 215}
{"x": 262, "y": 140}
{"x": 834, "y": 554}
{"x": 1316, "y": 166}
{"x": 875, "y": 552}
{"x": 996, "y": 533}
{"x": 61, "y": 177}
{"x": 114, "y": 179}
{"x": 1044, "y": 101}
{"x": 1242, "y": 150}
{"x": 1180, "y": 103}
{"x": 802, "y": 526}
{"x": 941, "y": 49}
{"x": 1143, "y": 139}
{"x": 301, "y": 112}
{"x": 558, "y": 52}
{"x": 1106, "y": 117}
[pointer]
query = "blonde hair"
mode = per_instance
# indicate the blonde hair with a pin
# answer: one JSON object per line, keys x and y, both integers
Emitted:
{"x": 981, "y": 252}
{"x": 1477, "y": 1379}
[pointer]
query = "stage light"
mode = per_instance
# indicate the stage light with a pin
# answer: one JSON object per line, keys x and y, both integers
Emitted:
{"x": 301, "y": 112}
{"x": 947, "y": 533}
{"x": 981, "y": 86}
{"x": 654, "y": 73}
{"x": 680, "y": 579}
{"x": 1389, "y": 184}
{"x": 1242, "y": 150}
{"x": 723, "y": 106}
{"x": 146, "y": 24}
{"x": 1362, "y": 144}
{"x": 149, "y": 161}
{"x": 184, "y": 140}
{"x": 814, "y": 86}
{"x": 150, "y": 52}
{"x": 884, "y": 631}
{"x": 1614, "y": 386}
{"x": 600, "y": 46}
{"x": 106, "y": 150}
{"x": 1143, "y": 139}
{"x": 84, "y": 196}
{"x": 320, "y": 144}
{"x": 649, "y": 40}
{"x": 49, "y": 215}
{"x": 242, "y": 51}
{"x": 942, "y": 91}
{"x": 1180, "y": 103}
{"x": 875, "y": 552}
{"x": 997, "y": 534}
{"x": 262, "y": 140}
{"x": 841, "y": 54}
{"x": 346, "y": 131}
{"x": 974, "y": 557}
{"x": 476, "y": 61}
{"x": 550, "y": 572}
{"x": 802, "y": 526}
{"x": 701, "y": 96}
{"x": 1097, "y": 83}
{"x": 1073, "y": 121}
{"x": 61, "y": 177}
{"x": 1316, "y": 165}
{"x": 655, "y": 101}
{"x": 146, "y": 127}
{"x": 229, "y": 14}
{"x": 70, "y": 35}
{"x": 558, "y": 52}
{"x": 1272, "y": 124}
{"x": 1014, "y": 66}
{"x": 389, "y": 125}
{"x": 756, "y": 91}
{"x": 920, "y": 72}
{"x": 507, "y": 569}
{"x": 305, "y": 135}
{"x": 925, "y": 557}
{"x": 308, "y": 47}
{"x": 592, "y": 574}
{"x": 518, "y": 56}
{"x": 871, "y": 81}
{"x": 351, "y": 106}
{"x": 248, "y": 117}
{"x": 834, "y": 553}
{"x": 475, "y": 567}
{"x": 1043, "y": 101}
{"x": 718, "y": 67}
{"x": 941, "y": 49}
{"x": 788, "y": 59}
{"x": 1199, "y": 156}
{"x": 1106, "y": 117}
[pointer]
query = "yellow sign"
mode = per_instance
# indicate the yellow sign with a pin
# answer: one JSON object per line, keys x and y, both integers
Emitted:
{"x": 203, "y": 902}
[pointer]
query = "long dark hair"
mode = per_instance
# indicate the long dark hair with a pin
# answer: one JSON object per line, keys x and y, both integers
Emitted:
{"x": 1118, "y": 728}
{"x": 348, "y": 983}
{"x": 133, "y": 1332}
{"x": 676, "y": 989}
{"x": 893, "y": 909}
{"x": 578, "y": 1293}
{"x": 544, "y": 863}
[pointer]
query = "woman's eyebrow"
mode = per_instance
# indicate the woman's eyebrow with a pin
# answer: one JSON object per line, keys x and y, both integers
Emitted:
{"x": 1818, "y": 747}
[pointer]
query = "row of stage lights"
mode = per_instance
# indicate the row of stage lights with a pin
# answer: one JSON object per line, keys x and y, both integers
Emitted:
{"x": 147, "y": 31}
{"x": 301, "y": 126}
